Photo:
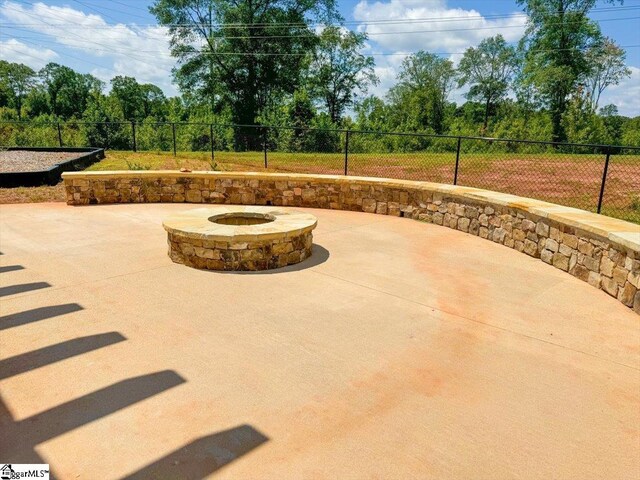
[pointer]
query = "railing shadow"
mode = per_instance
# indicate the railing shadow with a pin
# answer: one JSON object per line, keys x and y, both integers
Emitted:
{"x": 56, "y": 353}
{"x": 37, "y": 314}
{"x": 203, "y": 456}
{"x": 11, "y": 268}
{"x": 22, "y": 287}
{"x": 19, "y": 438}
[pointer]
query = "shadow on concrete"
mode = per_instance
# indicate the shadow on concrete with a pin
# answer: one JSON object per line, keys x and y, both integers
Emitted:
{"x": 19, "y": 438}
{"x": 56, "y": 353}
{"x": 11, "y": 268}
{"x": 21, "y": 288}
{"x": 319, "y": 255}
{"x": 37, "y": 314}
{"x": 203, "y": 456}
{"x": 96, "y": 405}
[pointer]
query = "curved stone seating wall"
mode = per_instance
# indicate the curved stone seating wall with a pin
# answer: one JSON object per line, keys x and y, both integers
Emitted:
{"x": 602, "y": 251}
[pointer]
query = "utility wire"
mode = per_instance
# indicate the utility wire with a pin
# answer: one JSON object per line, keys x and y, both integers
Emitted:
{"x": 95, "y": 9}
{"x": 198, "y": 52}
{"x": 354, "y": 22}
{"x": 91, "y": 8}
{"x": 403, "y": 32}
{"x": 85, "y": 41}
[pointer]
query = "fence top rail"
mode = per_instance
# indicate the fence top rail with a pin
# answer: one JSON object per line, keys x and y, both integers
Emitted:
{"x": 339, "y": 130}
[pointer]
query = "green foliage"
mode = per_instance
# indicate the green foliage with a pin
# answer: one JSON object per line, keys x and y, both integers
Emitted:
{"x": 489, "y": 69}
{"x": 265, "y": 63}
{"x": 132, "y": 165}
{"x": 558, "y": 34}
{"x": 16, "y": 80}
{"x": 68, "y": 92}
{"x": 606, "y": 63}
{"x": 272, "y": 38}
{"x": 138, "y": 102}
{"x": 338, "y": 70}
{"x": 419, "y": 100}
{"x": 631, "y": 133}
{"x": 581, "y": 124}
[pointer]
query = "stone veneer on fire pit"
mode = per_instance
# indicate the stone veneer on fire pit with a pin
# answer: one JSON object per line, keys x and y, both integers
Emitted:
{"x": 603, "y": 251}
{"x": 239, "y": 238}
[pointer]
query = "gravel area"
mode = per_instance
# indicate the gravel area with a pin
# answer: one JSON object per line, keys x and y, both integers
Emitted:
{"x": 27, "y": 161}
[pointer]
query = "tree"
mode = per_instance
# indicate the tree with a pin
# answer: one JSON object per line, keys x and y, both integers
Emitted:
{"x": 631, "y": 133}
{"x": 300, "y": 114}
{"x": 242, "y": 53}
{"x": 153, "y": 101}
{"x": 489, "y": 69}
{"x": 126, "y": 90}
{"x": 606, "y": 67}
{"x": 67, "y": 90}
{"x": 580, "y": 122}
{"x": 613, "y": 122}
{"x": 372, "y": 114}
{"x": 420, "y": 97}
{"x": 16, "y": 80}
{"x": 339, "y": 71}
{"x": 558, "y": 35}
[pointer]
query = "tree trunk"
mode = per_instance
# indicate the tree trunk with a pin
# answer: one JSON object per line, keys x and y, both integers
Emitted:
{"x": 486, "y": 114}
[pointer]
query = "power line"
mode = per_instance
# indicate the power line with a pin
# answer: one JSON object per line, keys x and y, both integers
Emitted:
{"x": 385, "y": 53}
{"x": 63, "y": 53}
{"x": 95, "y": 9}
{"x": 374, "y": 33}
{"x": 302, "y": 24}
{"x": 84, "y": 41}
{"x": 403, "y": 32}
{"x": 298, "y": 54}
{"x": 129, "y": 7}
{"x": 90, "y": 8}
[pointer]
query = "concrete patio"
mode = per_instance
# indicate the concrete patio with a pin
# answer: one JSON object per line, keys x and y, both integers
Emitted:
{"x": 398, "y": 350}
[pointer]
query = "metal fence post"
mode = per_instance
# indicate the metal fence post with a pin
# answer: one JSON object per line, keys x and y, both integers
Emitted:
{"x": 604, "y": 179}
{"x": 455, "y": 173}
{"x": 264, "y": 140}
{"x": 211, "y": 137}
{"x": 133, "y": 131}
{"x": 346, "y": 152}
{"x": 173, "y": 132}
{"x": 59, "y": 135}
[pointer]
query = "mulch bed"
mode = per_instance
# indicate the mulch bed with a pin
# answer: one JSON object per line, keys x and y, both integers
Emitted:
{"x": 29, "y": 161}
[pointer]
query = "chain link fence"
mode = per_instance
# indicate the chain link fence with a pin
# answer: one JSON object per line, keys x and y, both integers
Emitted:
{"x": 598, "y": 178}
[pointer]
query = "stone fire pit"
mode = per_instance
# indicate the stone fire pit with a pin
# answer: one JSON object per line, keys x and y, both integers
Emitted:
{"x": 239, "y": 238}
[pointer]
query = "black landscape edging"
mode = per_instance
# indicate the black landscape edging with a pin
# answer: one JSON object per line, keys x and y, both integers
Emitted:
{"x": 52, "y": 175}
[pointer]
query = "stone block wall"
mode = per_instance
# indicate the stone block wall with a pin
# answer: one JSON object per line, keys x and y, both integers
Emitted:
{"x": 599, "y": 250}
{"x": 249, "y": 256}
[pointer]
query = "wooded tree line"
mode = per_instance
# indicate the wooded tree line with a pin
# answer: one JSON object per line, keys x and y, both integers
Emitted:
{"x": 267, "y": 62}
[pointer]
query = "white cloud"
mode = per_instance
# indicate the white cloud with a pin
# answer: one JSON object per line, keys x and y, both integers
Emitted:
{"x": 442, "y": 29}
{"x": 451, "y": 31}
{"x": 140, "y": 52}
{"x": 15, "y": 51}
{"x": 625, "y": 95}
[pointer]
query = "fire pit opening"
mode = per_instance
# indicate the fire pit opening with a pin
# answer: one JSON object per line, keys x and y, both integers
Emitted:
{"x": 244, "y": 218}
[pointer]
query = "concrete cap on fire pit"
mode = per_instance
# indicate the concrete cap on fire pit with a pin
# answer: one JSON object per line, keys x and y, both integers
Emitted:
{"x": 223, "y": 223}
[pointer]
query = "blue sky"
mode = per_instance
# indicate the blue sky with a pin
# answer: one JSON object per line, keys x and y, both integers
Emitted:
{"x": 119, "y": 37}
